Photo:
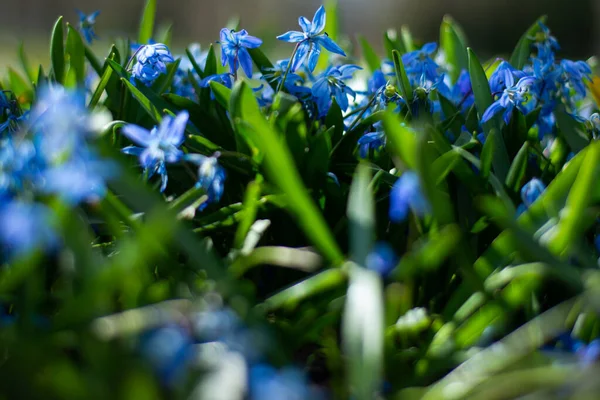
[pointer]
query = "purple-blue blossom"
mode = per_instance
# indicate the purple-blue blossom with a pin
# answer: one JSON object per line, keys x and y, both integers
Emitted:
{"x": 86, "y": 25}
{"x": 531, "y": 191}
{"x": 331, "y": 84}
{"x": 310, "y": 40}
{"x": 151, "y": 62}
{"x": 211, "y": 177}
{"x": 158, "y": 146}
{"x": 382, "y": 259}
{"x": 407, "y": 195}
{"x": 520, "y": 96}
{"x": 234, "y": 51}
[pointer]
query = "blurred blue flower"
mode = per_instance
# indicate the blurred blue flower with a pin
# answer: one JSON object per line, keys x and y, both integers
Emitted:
{"x": 531, "y": 191}
{"x": 406, "y": 195}
{"x": 310, "y": 41}
{"x": 151, "y": 62}
{"x": 182, "y": 85}
{"x": 589, "y": 354}
{"x": 211, "y": 177}
{"x": 169, "y": 350}
{"x": 19, "y": 164}
{"x": 370, "y": 141}
{"x": 419, "y": 65}
{"x": 80, "y": 179}
{"x": 267, "y": 383}
{"x": 225, "y": 79}
{"x": 575, "y": 73}
{"x": 234, "y": 51}
{"x": 519, "y": 96}
{"x": 86, "y": 25}
{"x": 159, "y": 145}
{"x": 331, "y": 84}
{"x": 293, "y": 82}
{"x": 382, "y": 259}
{"x": 546, "y": 44}
{"x": 462, "y": 93}
{"x": 25, "y": 227}
{"x": 214, "y": 325}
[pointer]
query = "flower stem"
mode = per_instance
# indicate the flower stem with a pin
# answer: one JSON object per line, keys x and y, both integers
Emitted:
{"x": 287, "y": 70}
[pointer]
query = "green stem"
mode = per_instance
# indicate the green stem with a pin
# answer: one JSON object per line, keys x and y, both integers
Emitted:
{"x": 354, "y": 123}
{"x": 287, "y": 70}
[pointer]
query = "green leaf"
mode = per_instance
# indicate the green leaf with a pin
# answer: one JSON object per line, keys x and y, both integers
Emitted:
{"x": 263, "y": 63}
{"x": 20, "y": 87}
{"x": 251, "y": 198}
{"x": 407, "y": 39}
{"x": 25, "y": 64}
{"x": 104, "y": 79}
{"x": 93, "y": 60}
{"x": 402, "y": 140}
{"x": 391, "y": 42}
{"x": 453, "y": 42}
{"x": 483, "y": 99}
{"x": 572, "y": 224}
{"x": 163, "y": 83}
{"x": 222, "y": 94}
{"x": 318, "y": 154}
{"x": 146, "y": 104}
{"x": 147, "y": 22}
{"x": 361, "y": 215}
{"x": 517, "y": 169}
{"x": 520, "y": 55}
{"x": 570, "y": 129}
{"x": 165, "y": 34}
{"x": 403, "y": 82}
{"x": 280, "y": 168}
{"x": 487, "y": 155}
{"x": 76, "y": 51}
{"x": 363, "y": 333}
{"x": 335, "y": 118}
{"x": 369, "y": 54}
{"x": 57, "y": 51}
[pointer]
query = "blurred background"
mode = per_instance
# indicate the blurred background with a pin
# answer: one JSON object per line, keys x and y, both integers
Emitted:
{"x": 492, "y": 27}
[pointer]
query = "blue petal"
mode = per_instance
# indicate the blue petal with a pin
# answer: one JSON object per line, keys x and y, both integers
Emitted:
{"x": 250, "y": 42}
{"x": 137, "y": 134}
{"x": 329, "y": 44}
{"x": 245, "y": 61}
{"x": 318, "y": 22}
{"x": 300, "y": 55}
{"x": 305, "y": 24}
{"x": 292, "y": 37}
{"x": 492, "y": 110}
{"x": 313, "y": 56}
{"x": 429, "y": 48}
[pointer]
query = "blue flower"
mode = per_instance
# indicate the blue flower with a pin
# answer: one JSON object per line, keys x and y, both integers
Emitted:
{"x": 531, "y": 191}
{"x": 504, "y": 77}
{"x": 293, "y": 82}
{"x": 225, "y": 79}
{"x": 86, "y": 25}
{"x": 406, "y": 195}
{"x": 419, "y": 65}
{"x": 80, "y": 179}
{"x": 575, "y": 73}
{"x": 382, "y": 259}
{"x": 169, "y": 350}
{"x": 158, "y": 146}
{"x": 310, "y": 41}
{"x": 25, "y": 227}
{"x": 267, "y": 383}
{"x": 370, "y": 141}
{"x": 182, "y": 85}
{"x": 518, "y": 96}
{"x": 546, "y": 44}
{"x": 211, "y": 177}
{"x": 331, "y": 83}
{"x": 462, "y": 93}
{"x": 589, "y": 354}
{"x": 151, "y": 62}
{"x": 234, "y": 51}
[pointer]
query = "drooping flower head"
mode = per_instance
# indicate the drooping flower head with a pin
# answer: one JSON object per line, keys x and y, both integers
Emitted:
{"x": 158, "y": 146}
{"x": 310, "y": 41}
{"x": 234, "y": 51}
{"x": 151, "y": 62}
{"x": 86, "y": 25}
{"x": 420, "y": 66}
{"x": 211, "y": 176}
{"x": 546, "y": 44}
{"x": 331, "y": 84}
{"x": 504, "y": 77}
{"x": 407, "y": 195}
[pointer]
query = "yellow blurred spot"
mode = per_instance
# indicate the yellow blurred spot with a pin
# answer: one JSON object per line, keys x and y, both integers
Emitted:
{"x": 594, "y": 86}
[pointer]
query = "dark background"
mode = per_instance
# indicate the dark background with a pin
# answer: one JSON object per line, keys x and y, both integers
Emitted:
{"x": 493, "y": 27}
